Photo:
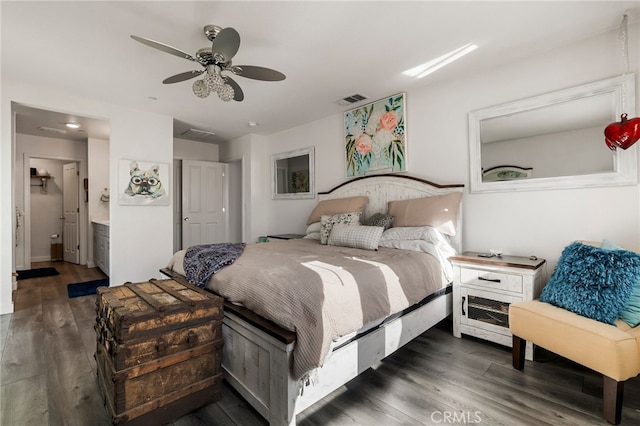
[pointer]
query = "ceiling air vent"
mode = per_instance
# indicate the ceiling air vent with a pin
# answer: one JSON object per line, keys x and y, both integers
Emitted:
{"x": 352, "y": 99}
{"x": 199, "y": 134}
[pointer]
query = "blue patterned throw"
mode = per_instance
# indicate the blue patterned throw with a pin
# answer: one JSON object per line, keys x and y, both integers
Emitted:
{"x": 202, "y": 261}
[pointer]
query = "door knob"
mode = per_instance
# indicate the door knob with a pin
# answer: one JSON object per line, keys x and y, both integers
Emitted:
{"x": 186, "y": 219}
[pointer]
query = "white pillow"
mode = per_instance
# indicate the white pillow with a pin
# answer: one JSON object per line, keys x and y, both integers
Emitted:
{"x": 404, "y": 233}
{"x": 328, "y": 222}
{"x": 314, "y": 227}
{"x": 313, "y": 231}
{"x": 362, "y": 237}
{"x": 422, "y": 238}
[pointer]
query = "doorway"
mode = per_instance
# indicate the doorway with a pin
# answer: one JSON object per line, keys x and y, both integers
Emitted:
{"x": 45, "y": 135}
{"x": 204, "y": 202}
{"x": 52, "y": 210}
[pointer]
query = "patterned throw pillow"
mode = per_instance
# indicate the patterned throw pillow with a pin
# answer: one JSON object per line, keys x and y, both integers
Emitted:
{"x": 362, "y": 237}
{"x": 328, "y": 221}
{"x": 380, "y": 219}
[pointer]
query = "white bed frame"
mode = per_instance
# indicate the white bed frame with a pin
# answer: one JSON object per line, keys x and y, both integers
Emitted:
{"x": 258, "y": 365}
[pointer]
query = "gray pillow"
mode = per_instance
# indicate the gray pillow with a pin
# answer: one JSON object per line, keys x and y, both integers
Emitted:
{"x": 380, "y": 219}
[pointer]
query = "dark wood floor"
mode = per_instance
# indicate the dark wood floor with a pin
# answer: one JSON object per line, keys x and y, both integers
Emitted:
{"x": 47, "y": 376}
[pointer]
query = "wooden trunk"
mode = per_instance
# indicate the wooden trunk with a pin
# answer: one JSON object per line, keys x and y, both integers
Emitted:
{"x": 159, "y": 349}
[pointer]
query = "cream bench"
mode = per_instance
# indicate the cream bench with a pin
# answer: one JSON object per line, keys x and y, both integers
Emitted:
{"x": 612, "y": 350}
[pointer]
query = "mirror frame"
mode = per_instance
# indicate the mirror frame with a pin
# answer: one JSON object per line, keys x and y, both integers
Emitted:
{"x": 310, "y": 151}
{"x": 625, "y": 161}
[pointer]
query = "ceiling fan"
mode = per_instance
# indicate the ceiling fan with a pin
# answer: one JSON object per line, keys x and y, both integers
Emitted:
{"x": 215, "y": 60}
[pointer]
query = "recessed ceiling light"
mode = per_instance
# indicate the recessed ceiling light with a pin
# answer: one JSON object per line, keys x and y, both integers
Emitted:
{"x": 253, "y": 124}
{"x": 437, "y": 63}
{"x": 73, "y": 125}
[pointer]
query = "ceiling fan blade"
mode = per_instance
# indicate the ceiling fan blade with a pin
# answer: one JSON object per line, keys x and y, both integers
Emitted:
{"x": 258, "y": 73}
{"x": 164, "y": 47}
{"x": 182, "y": 77}
{"x": 238, "y": 95}
{"x": 226, "y": 44}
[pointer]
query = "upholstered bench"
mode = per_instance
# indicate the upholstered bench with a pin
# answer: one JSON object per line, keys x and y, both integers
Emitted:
{"x": 612, "y": 350}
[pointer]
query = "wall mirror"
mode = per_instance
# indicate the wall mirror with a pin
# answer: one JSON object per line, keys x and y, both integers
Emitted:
{"x": 292, "y": 174}
{"x": 554, "y": 140}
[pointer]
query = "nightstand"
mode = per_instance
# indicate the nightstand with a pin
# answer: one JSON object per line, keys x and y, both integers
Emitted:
{"x": 285, "y": 236}
{"x": 483, "y": 289}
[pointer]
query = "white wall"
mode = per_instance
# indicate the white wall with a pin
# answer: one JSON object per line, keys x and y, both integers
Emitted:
{"x": 253, "y": 152}
{"x": 327, "y": 135}
{"x": 184, "y": 149}
{"x": 98, "y": 171}
{"x": 522, "y": 223}
{"x": 236, "y": 212}
{"x": 141, "y": 236}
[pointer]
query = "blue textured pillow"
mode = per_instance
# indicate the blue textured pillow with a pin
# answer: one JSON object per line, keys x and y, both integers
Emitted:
{"x": 630, "y": 313}
{"x": 593, "y": 282}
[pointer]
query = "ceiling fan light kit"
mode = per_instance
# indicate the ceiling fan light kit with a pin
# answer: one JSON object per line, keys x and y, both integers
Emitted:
{"x": 215, "y": 60}
{"x": 213, "y": 82}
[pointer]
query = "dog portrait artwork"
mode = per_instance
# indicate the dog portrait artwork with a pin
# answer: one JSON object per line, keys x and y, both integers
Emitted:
{"x": 144, "y": 183}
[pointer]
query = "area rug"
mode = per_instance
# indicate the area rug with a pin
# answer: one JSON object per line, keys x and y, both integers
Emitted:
{"x": 37, "y": 273}
{"x": 86, "y": 288}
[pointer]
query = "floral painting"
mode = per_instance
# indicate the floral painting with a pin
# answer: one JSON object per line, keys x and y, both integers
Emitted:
{"x": 299, "y": 182}
{"x": 375, "y": 137}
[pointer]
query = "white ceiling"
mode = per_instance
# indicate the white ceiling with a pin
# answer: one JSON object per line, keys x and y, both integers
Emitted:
{"x": 328, "y": 50}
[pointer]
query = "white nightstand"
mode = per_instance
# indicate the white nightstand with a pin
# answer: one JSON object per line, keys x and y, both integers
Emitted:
{"x": 484, "y": 287}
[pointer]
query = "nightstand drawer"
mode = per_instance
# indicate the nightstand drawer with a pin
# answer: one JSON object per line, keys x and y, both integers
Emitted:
{"x": 491, "y": 280}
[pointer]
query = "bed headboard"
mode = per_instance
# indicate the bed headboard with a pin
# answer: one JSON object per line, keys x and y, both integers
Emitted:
{"x": 389, "y": 187}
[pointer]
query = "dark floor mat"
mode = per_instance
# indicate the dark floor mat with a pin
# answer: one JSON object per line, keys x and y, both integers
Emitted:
{"x": 37, "y": 273}
{"x": 86, "y": 288}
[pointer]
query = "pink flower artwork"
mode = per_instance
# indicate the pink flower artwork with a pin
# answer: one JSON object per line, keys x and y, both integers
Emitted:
{"x": 364, "y": 144}
{"x": 388, "y": 121}
{"x": 375, "y": 137}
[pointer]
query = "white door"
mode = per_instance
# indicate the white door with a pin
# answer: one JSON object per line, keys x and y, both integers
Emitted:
{"x": 204, "y": 203}
{"x": 71, "y": 208}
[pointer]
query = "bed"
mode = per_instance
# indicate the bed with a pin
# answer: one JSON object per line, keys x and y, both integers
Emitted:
{"x": 281, "y": 372}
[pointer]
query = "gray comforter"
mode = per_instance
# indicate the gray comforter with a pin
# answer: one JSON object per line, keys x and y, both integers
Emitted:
{"x": 323, "y": 292}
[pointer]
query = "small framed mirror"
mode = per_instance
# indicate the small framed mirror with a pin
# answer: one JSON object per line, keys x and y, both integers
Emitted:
{"x": 293, "y": 174}
{"x": 554, "y": 140}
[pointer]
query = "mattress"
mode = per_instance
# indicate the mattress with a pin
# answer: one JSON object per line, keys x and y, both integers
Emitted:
{"x": 324, "y": 293}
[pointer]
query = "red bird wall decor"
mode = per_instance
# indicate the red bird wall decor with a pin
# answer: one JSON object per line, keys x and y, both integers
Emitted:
{"x": 623, "y": 133}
